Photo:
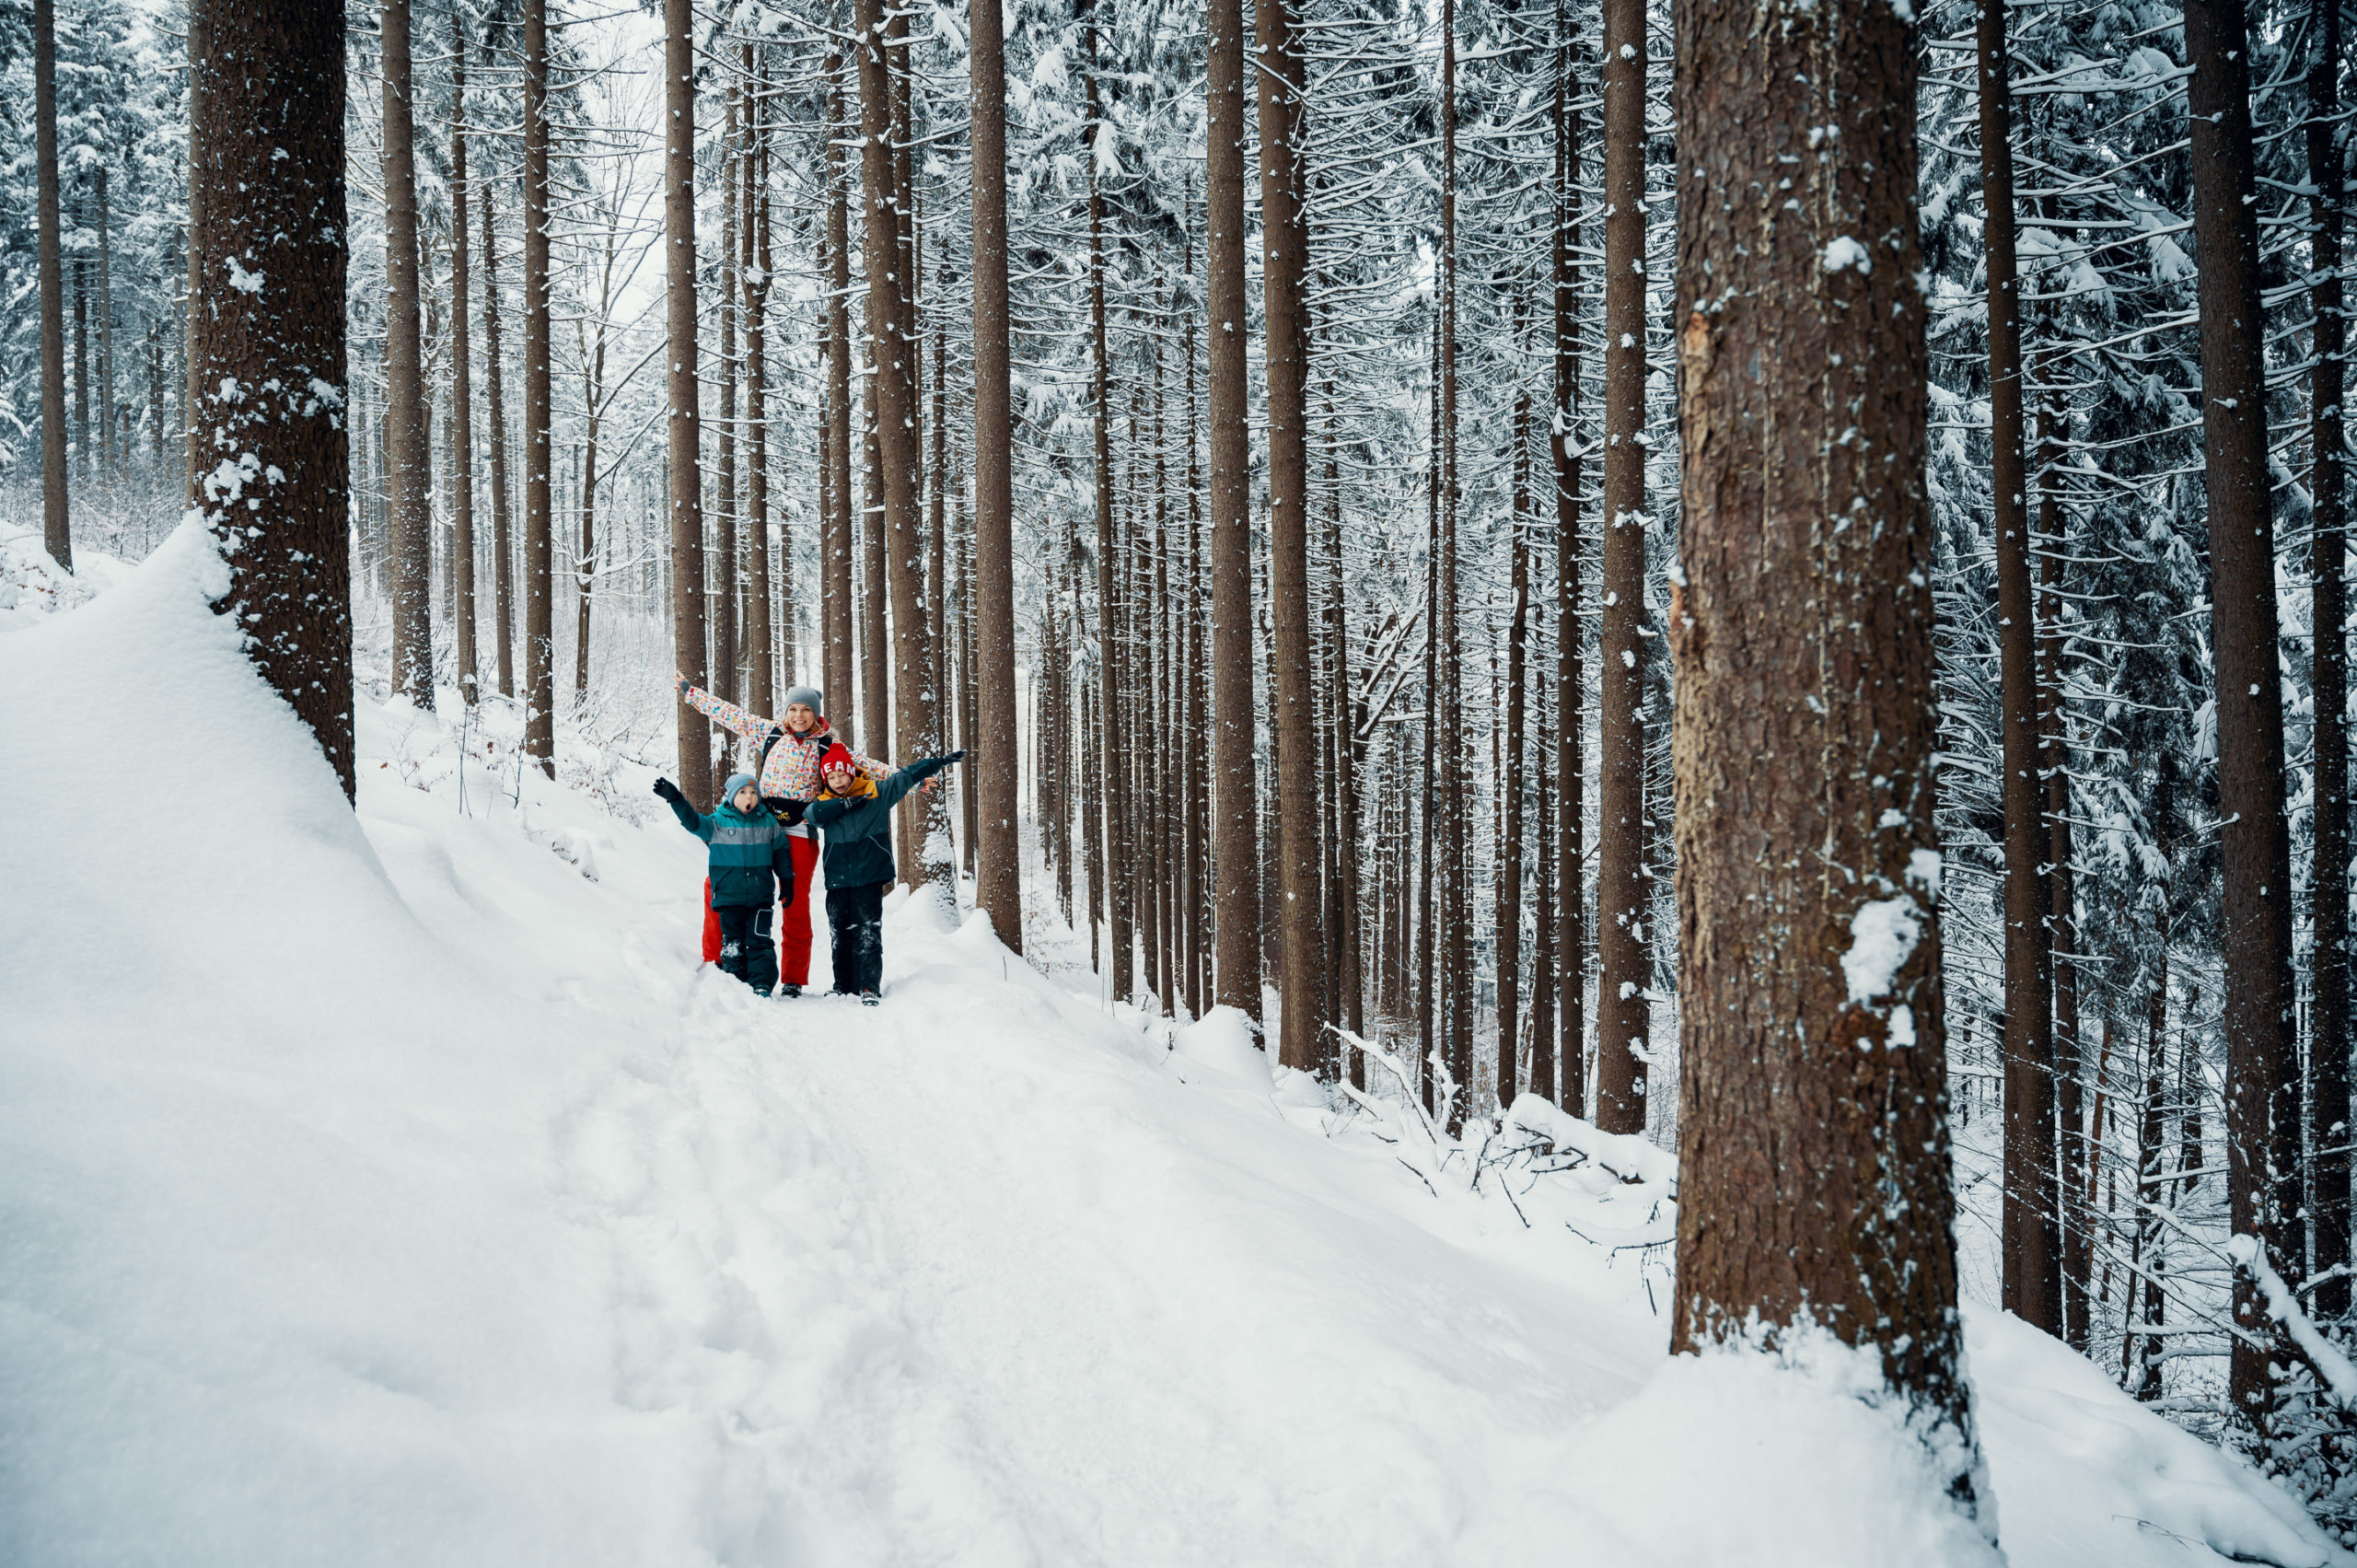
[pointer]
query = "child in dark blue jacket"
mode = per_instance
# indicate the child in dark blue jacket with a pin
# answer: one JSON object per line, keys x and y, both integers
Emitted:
{"x": 856, "y": 813}
{"x": 751, "y": 866}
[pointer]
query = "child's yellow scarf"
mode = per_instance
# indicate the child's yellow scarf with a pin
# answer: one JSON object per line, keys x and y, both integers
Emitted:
{"x": 862, "y": 788}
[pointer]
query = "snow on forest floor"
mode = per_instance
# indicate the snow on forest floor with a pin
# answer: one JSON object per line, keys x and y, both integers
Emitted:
{"x": 399, "y": 1190}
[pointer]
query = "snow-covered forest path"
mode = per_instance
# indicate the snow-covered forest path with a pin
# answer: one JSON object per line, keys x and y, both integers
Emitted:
{"x": 397, "y": 1190}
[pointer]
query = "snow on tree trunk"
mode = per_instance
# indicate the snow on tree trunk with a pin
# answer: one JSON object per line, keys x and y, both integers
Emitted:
{"x": 269, "y": 348}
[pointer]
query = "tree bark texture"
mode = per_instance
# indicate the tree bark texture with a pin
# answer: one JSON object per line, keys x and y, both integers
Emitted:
{"x": 1284, "y": 268}
{"x": 835, "y": 538}
{"x": 405, "y": 451}
{"x": 753, "y": 260}
{"x": 993, "y": 763}
{"x": 502, "y": 541}
{"x": 539, "y": 639}
{"x": 1624, "y": 1007}
{"x": 2328, "y": 884}
{"x": 1814, "y": 1153}
{"x": 269, "y": 349}
{"x": 56, "y": 532}
{"x": 680, "y": 299}
{"x": 2030, "y": 1253}
{"x": 1571, "y": 632}
{"x": 1234, "y": 826}
{"x": 2255, "y": 936}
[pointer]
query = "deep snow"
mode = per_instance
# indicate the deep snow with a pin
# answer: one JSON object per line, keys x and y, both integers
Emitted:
{"x": 396, "y": 1190}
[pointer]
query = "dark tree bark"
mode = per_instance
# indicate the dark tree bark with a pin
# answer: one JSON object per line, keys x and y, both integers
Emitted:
{"x": 404, "y": 374}
{"x": 753, "y": 267}
{"x": 1455, "y": 937}
{"x": 998, "y": 853}
{"x": 110, "y": 460}
{"x": 1235, "y": 828}
{"x": 1624, "y": 1011}
{"x": 502, "y": 541}
{"x": 892, "y": 355}
{"x": 462, "y": 419}
{"x": 1512, "y": 772}
{"x": 2329, "y": 876}
{"x": 2255, "y": 858}
{"x": 1814, "y": 1157}
{"x": 2031, "y": 1255}
{"x": 727, "y": 640}
{"x": 835, "y": 538}
{"x": 679, "y": 299}
{"x": 1284, "y": 268}
{"x": 1570, "y": 633}
{"x": 57, "y": 534}
{"x": 199, "y": 30}
{"x": 269, "y": 348}
{"x": 540, "y": 639}
{"x": 1113, "y": 752}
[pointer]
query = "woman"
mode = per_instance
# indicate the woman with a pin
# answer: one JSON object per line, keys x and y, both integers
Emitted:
{"x": 788, "y": 773}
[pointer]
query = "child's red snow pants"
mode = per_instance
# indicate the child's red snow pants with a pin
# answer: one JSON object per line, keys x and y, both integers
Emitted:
{"x": 793, "y": 928}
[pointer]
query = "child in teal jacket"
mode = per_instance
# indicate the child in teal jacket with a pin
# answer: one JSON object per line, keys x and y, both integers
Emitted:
{"x": 751, "y": 867}
{"x": 856, "y": 814}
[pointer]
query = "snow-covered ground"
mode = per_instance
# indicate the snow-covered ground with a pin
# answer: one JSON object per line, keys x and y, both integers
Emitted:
{"x": 396, "y": 1190}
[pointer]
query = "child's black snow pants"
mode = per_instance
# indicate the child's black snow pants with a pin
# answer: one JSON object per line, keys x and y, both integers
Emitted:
{"x": 856, "y": 916}
{"x": 748, "y": 944}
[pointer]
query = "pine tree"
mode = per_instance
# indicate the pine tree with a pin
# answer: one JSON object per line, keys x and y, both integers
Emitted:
{"x": 680, "y": 288}
{"x": 271, "y": 250}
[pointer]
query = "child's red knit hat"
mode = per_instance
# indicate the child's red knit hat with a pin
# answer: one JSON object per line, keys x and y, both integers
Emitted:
{"x": 837, "y": 756}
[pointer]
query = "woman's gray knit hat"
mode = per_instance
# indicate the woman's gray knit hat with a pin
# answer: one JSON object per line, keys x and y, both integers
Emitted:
{"x": 809, "y": 694}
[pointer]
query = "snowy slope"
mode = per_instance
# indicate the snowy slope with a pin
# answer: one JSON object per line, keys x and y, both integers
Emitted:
{"x": 396, "y": 1191}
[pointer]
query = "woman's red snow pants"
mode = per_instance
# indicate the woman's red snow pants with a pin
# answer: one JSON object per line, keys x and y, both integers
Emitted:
{"x": 793, "y": 926}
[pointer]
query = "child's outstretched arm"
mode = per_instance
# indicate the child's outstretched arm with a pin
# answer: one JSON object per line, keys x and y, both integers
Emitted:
{"x": 697, "y": 825}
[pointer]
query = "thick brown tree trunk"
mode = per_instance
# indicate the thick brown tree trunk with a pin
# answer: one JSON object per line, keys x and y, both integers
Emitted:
{"x": 109, "y": 458}
{"x": 836, "y": 535}
{"x": 1788, "y": 971}
{"x": 1813, "y": 1116}
{"x": 1513, "y": 773}
{"x": 895, "y": 546}
{"x": 998, "y": 853}
{"x": 2329, "y": 876}
{"x": 2255, "y": 860}
{"x": 1624, "y": 1008}
{"x": 2031, "y": 1254}
{"x": 728, "y": 649}
{"x": 404, "y": 373}
{"x": 539, "y": 639}
{"x": 1228, "y": 741}
{"x": 1285, "y": 267}
{"x": 462, "y": 419}
{"x": 56, "y": 533}
{"x": 269, "y": 173}
{"x": 679, "y": 299}
{"x": 753, "y": 262}
{"x": 1571, "y": 632}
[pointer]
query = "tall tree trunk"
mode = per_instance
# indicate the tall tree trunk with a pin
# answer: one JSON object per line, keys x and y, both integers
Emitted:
{"x": 462, "y": 419}
{"x": 2031, "y": 1254}
{"x": 2255, "y": 934}
{"x": 585, "y": 557}
{"x": 269, "y": 171}
{"x": 199, "y": 29}
{"x": 1456, "y": 950}
{"x": 1513, "y": 773}
{"x": 1113, "y": 753}
{"x": 109, "y": 457}
{"x": 998, "y": 856}
{"x": 2066, "y": 1146}
{"x": 680, "y": 299}
{"x": 727, "y": 662}
{"x": 1285, "y": 240}
{"x": 404, "y": 374}
{"x": 1814, "y": 1152}
{"x": 895, "y": 546}
{"x": 539, "y": 637}
{"x": 503, "y": 542}
{"x": 1236, "y": 904}
{"x": 753, "y": 266}
{"x": 1624, "y": 1008}
{"x": 835, "y": 540}
{"x": 2329, "y": 873}
{"x": 57, "y": 534}
{"x": 1571, "y": 631}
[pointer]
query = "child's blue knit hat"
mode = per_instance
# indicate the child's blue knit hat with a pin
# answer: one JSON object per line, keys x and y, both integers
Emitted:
{"x": 736, "y": 781}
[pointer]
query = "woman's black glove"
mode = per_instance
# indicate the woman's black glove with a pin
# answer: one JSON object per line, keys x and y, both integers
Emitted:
{"x": 787, "y": 811}
{"x": 666, "y": 790}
